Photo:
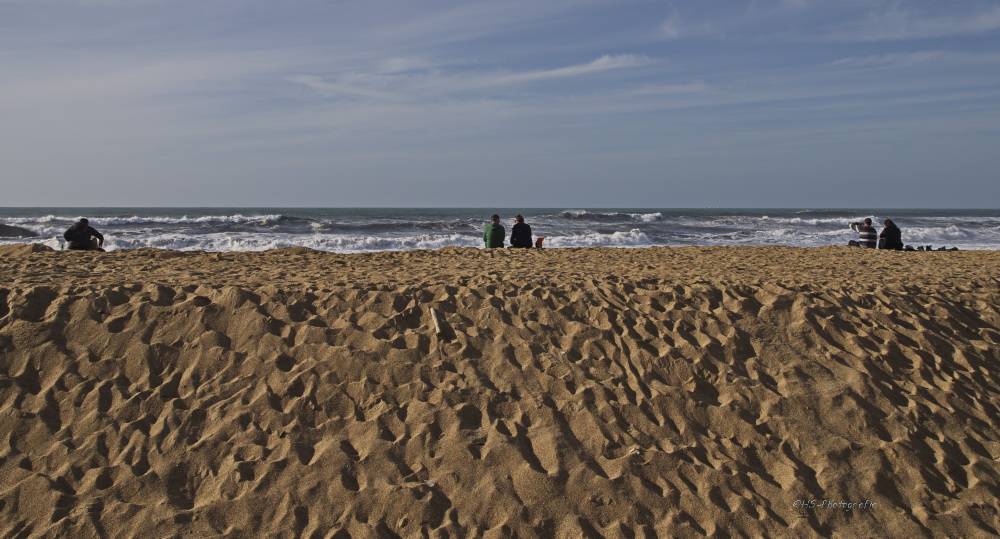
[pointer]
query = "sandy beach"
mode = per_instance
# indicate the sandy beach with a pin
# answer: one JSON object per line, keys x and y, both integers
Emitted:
{"x": 596, "y": 392}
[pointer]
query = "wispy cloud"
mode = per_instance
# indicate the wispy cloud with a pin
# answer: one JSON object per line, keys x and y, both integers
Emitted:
{"x": 431, "y": 82}
{"x": 899, "y": 23}
{"x": 917, "y": 58}
{"x": 228, "y": 90}
{"x": 353, "y": 85}
{"x": 678, "y": 27}
{"x": 416, "y": 25}
{"x": 696, "y": 87}
{"x": 809, "y": 21}
{"x": 604, "y": 63}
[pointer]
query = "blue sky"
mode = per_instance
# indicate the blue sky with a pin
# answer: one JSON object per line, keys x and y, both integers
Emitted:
{"x": 551, "y": 103}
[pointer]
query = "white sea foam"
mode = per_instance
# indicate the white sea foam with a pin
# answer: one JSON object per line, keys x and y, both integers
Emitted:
{"x": 33, "y": 220}
{"x": 141, "y": 220}
{"x": 647, "y": 217}
{"x": 631, "y": 238}
{"x": 263, "y": 242}
{"x": 608, "y": 216}
{"x": 207, "y": 219}
{"x": 364, "y": 230}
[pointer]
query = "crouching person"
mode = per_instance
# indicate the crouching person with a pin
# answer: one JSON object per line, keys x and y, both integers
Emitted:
{"x": 83, "y": 237}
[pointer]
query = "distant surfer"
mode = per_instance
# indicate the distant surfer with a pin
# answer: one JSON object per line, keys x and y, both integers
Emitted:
{"x": 867, "y": 236}
{"x": 520, "y": 233}
{"x": 83, "y": 237}
{"x": 494, "y": 233}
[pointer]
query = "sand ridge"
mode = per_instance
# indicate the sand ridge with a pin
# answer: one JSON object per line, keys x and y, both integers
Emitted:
{"x": 572, "y": 392}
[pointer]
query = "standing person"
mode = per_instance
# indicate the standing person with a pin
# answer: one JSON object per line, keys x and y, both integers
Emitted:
{"x": 494, "y": 233}
{"x": 891, "y": 237}
{"x": 867, "y": 235}
{"x": 520, "y": 233}
{"x": 83, "y": 237}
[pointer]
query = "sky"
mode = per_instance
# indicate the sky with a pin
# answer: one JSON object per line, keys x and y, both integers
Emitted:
{"x": 500, "y": 103}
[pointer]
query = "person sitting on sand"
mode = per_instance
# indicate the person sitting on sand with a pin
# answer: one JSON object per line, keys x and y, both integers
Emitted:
{"x": 494, "y": 233}
{"x": 867, "y": 235}
{"x": 891, "y": 237}
{"x": 83, "y": 237}
{"x": 520, "y": 233}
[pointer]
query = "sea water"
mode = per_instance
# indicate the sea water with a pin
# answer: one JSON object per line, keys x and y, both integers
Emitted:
{"x": 352, "y": 230}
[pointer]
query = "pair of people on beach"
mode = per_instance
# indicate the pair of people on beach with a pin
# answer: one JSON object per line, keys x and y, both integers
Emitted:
{"x": 83, "y": 237}
{"x": 520, "y": 233}
{"x": 890, "y": 238}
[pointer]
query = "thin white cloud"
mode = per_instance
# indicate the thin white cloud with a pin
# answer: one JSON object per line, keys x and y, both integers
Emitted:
{"x": 903, "y": 24}
{"x": 604, "y": 63}
{"x": 916, "y": 58}
{"x": 436, "y": 84}
{"x": 677, "y": 27}
{"x": 350, "y": 85}
{"x": 220, "y": 91}
{"x": 401, "y": 64}
{"x": 468, "y": 21}
{"x": 671, "y": 89}
{"x": 128, "y": 78}
{"x": 861, "y": 22}
{"x": 910, "y": 101}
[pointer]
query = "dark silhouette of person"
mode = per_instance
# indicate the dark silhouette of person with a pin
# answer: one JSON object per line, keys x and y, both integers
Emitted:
{"x": 83, "y": 237}
{"x": 520, "y": 233}
{"x": 891, "y": 237}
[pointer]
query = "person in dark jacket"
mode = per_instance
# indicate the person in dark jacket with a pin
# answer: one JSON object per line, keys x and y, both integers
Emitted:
{"x": 867, "y": 236}
{"x": 83, "y": 237}
{"x": 494, "y": 233}
{"x": 891, "y": 237}
{"x": 520, "y": 233}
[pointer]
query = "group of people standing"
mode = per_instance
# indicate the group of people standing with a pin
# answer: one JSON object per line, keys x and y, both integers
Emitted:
{"x": 890, "y": 238}
{"x": 520, "y": 233}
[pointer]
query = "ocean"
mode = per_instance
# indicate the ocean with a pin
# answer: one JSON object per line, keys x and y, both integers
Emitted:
{"x": 354, "y": 230}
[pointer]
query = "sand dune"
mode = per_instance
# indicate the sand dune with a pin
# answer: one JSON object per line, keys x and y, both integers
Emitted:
{"x": 570, "y": 393}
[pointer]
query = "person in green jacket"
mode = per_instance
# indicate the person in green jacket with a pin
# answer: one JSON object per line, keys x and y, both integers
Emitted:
{"x": 494, "y": 233}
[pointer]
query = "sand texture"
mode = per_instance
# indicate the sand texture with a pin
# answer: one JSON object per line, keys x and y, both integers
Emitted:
{"x": 570, "y": 393}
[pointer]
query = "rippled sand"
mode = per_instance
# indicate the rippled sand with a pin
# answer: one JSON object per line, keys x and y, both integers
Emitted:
{"x": 569, "y": 392}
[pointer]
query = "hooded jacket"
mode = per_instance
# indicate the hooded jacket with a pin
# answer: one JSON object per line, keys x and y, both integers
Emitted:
{"x": 79, "y": 236}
